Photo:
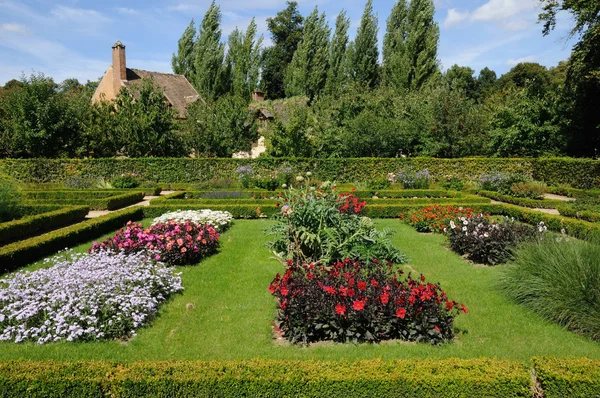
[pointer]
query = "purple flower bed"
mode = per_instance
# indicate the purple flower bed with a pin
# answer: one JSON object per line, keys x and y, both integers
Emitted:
{"x": 84, "y": 297}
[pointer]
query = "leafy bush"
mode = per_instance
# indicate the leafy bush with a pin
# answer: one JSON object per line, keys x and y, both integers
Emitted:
{"x": 559, "y": 279}
{"x": 126, "y": 181}
{"x": 84, "y": 297}
{"x": 411, "y": 179}
{"x": 178, "y": 243}
{"x": 379, "y": 184}
{"x": 488, "y": 242}
{"x": 436, "y": 218}
{"x": 452, "y": 183}
{"x": 11, "y": 199}
{"x": 321, "y": 226}
{"x": 218, "y": 219}
{"x": 531, "y": 191}
{"x": 350, "y": 302}
{"x": 501, "y": 182}
{"x": 80, "y": 182}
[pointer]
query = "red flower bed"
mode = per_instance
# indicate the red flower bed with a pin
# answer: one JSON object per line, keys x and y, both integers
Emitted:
{"x": 436, "y": 218}
{"x": 177, "y": 243}
{"x": 349, "y": 302}
{"x": 349, "y": 203}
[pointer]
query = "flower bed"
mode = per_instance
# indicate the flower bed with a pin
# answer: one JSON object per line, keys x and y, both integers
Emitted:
{"x": 177, "y": 243}
{"x": 349, "y": 302}
{"x": 218, "y": 219}
{"x": 84, "y": 297}
{"x": 436, "y": 218}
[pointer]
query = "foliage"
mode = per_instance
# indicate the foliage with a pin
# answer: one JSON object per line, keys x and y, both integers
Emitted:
{"x": 321, "y": 226}
{"x": 559, "y": 279}
{"x": 485, "y": 241}
{"x": 336, "y": 75}
{"x": 436, "y": 218}
{"x": 349, "y": 302}
{"x": 422, "y": 44}
{"x": 452, "y": 183}
{"x": 220, "y": 128}
{"x": 183, "y": 62}
{"x": 291, "y": 139}
{"x": 560, "y": 377}
{"x": 528, "y": 190}
{"x": 365, "y": 55}
{"x": 208, "y": 55}
{"x": 395, "y": 68}
{"x": 286, "y": 33}
{"x": 184, "y": 243}
{"x": 501, "y": 182}
{"x": 84, "y": 297}
{"x": 220, "y": 220}
{"x": 243, "y": 60}
{"x": 126, "y": 181}
{"x": 11, "y": 199}
{"x": 411, "y": 179}
{"x": 461, "y": 78}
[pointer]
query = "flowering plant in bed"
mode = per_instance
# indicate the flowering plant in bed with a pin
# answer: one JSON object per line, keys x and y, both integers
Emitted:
{"x": 218, "y": 219}
{"x": 436, "y": 218}
{"x": 84, "y": 297}
{"x": 486, "y": 241}
{"x": 177, "y": 243}
{"x": 348, "y": 302}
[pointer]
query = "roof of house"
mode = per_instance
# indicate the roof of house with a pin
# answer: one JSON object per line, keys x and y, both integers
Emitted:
{"x": 177, "y": 89}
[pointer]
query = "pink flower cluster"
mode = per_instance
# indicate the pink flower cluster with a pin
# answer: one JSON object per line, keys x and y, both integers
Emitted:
{"x": 176, "y": 243}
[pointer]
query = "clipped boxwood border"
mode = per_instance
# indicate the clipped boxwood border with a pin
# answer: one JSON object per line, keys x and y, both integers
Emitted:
{"x": 18, "y": 254}
{"x": 572, "y": 377}
{"x": 524, "y": 202}
{"x": 267, "y": 378}
{"x": 110, "y": 203}
{"x": 39, "y": 223}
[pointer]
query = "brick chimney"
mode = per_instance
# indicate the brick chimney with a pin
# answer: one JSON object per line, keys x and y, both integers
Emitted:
{"x": 119, "y": 65}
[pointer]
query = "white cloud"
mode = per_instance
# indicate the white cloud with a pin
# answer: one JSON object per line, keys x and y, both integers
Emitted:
{"x": 78, "y": 15}
{"x": 469, "y": 56}
{"x": 454, "y": 17}
{"x": 530, "y": 58}
{"x": 14, "y": 28}
{"x": 127, "y": 11}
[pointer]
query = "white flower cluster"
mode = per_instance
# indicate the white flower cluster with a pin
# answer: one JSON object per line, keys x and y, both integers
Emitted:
{"x": 84, "y": 297}
{"x": 218, "y": 219}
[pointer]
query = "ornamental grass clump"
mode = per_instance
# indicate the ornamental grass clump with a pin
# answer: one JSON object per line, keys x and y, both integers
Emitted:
{"x": 485, "y": 241}
{"x": 349, "y": 302}
{"x": 436, "y": 218}
{"x": 221, "y": 220}
{"x": 84, "y": 297}
{"x": 501, "y": 182}
{"x": 560, "y": 280}
{"x": 411, "y": 179}
{"x": 177, "y": 243}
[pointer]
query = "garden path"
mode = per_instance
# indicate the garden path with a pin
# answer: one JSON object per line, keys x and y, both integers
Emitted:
{"x": 145, "y": 202}
{"x": 547, "y": 211}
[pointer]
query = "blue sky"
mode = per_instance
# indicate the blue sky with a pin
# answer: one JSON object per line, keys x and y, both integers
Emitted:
{"x": 70, "y": 38}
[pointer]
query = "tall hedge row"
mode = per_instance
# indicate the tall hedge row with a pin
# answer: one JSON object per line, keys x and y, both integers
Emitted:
{"x": 580, "y": 173}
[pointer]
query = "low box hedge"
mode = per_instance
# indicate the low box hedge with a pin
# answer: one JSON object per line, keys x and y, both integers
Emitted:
{"x": 267, "y": 378}
{"x": 69, "y": 194}
{"x": 524, "y": 202}
{"x": 115, "y": 202}
{"x": 18, "y": 254}
{"x": 237, "y": 211}
{"x": 36, "y": 224}
{"x": 587, "y": 215}
{"x": 574, "y": 377}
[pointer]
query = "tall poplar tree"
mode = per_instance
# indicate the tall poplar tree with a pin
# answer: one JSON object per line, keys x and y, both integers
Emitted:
{"x": 243, "y": 60}
{"x": 209, "y": 53}
{"x": 183, "y": 61}
{"x": 422, "y": 44}
{"x": 366, "y": 53}
{"x": 336, "y": 76}
{"x": 395, "y": 58}
{"x": 307, "y": 73}
{"x": 286, "y": 33}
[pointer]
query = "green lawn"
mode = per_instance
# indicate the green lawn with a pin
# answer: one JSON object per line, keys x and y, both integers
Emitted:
{"x": 226, "y": 312}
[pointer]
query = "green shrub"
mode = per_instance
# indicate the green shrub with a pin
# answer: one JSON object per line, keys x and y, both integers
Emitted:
{"x": 452, "y": 183}
{"x": 379, "y": 184}
{"x": 559, "y": 279}
{"x": 15, "y": 255}
{"x": 525, "y": 190}
{"x": 118, "y": 201}
{"x": 524, "y": 202}
{"x": 501, "y": 182}
{"x": 36, "y": 224}
{"x": 573, "y": 377}
{"x": 126, "y": 181}
{"x": 11, "y": 199}
{"x": 262, "y": 378}
{"x": 412, "y": 179}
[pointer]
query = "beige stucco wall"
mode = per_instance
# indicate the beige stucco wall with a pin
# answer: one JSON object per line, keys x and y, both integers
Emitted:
{"x": 105, "y": 90}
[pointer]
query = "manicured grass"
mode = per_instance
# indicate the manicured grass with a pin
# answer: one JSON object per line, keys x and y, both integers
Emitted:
{"x": 226, "y": 312}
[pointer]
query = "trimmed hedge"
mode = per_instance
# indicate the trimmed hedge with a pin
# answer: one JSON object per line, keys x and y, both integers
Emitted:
{"x": 237, "y": 211}
{"x": 524, "y": 202}
{"x": 579, "y": 377}
{"x": 34, "y": 225}
{"x": 266, "y": 378}
{"x": 579, "y": 173}
{"x": 109, "y": 203}
{"x": 586, "y": 215}
{"x": 56, "y": 187}
{"x": 15, "y": 255}
{"x": 370, "y": 202}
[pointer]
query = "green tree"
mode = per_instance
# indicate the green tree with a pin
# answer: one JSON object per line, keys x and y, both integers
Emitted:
{"x": 336, "y": 75}
{"x": 307, "y": 73}
{"x": 292, "y": 139}
{"x": 486, "y": 81}
{"x": 183, "y": 62}
{"x": 243, "y": 60}
{"x": 422, "y": 44}
{"x": 528, "y": 74}
{"x": 461, "y": 78}
{"x": 286, "y": 33}
{"x": 395, "y": 58}
{"x": 209, "y": 53}
{"x": 365, "y": 68}
{"x": 220, "y": 128}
